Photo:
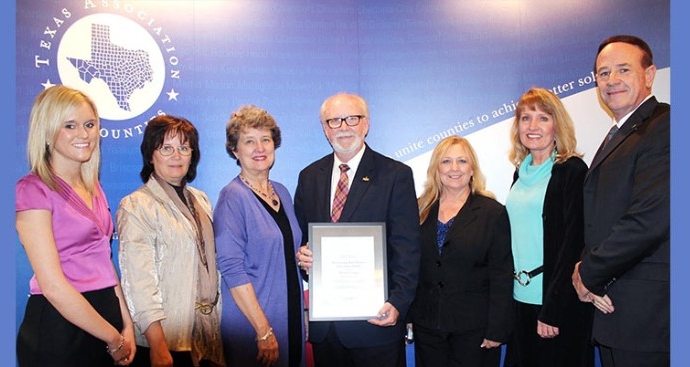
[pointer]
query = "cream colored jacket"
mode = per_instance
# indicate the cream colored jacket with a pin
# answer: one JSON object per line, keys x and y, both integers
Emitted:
{"x": 158, "y": 262}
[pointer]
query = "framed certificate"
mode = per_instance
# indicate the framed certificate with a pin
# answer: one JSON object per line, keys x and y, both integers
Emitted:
{"x": 348, "y": 279}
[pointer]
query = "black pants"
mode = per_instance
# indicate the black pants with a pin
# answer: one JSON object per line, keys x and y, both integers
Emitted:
{"x": 613, "y": 357}
{"x": 571, "y": 348}
{"x": 332, "y": 353}
{"x": 46, "y": 339}
{"x": 462, "y": 349}
{"x": 180, "y": 359}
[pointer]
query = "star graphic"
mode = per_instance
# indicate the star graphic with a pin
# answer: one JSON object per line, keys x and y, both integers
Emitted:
{"x": 47, "y": 84}
{"x": 172, "y": 95}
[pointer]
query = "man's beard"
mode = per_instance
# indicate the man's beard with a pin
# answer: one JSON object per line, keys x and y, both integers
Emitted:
{"x": 354, "y": 147}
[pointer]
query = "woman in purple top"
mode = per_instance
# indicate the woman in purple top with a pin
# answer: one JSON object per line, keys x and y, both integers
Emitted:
{"x": 257, "y": 236}
{"x": 76, "y": 314}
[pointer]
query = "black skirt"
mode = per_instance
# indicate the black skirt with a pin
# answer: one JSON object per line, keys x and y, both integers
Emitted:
{"x": 46, "y": 338}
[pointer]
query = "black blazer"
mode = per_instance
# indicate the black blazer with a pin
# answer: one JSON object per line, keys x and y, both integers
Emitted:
{"x": 470, "y": 285}
{"x": 627, "y": 232}
{"x": 382, "y": 191}
{"x": 562, "y": 220}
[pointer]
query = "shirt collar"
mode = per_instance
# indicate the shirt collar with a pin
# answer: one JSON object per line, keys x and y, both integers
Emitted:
{"x": 352, "y": 163}
{"x": 626, "y": 117}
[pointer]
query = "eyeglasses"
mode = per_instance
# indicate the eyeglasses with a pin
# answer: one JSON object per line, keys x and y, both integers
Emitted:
{"x": 352, "y": 120}
{"x": 167, "y": 150}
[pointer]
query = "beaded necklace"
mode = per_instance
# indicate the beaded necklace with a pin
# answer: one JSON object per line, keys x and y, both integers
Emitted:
{"x": 272, "y": 198}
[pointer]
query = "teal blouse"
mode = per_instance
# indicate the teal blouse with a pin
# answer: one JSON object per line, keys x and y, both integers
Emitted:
{"x": 524, "y": 204}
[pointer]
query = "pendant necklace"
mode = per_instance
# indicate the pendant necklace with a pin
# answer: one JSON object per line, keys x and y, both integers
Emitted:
{"x": 272, "y": 198}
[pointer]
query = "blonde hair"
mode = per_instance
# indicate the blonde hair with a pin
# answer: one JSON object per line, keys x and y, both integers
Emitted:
{"x": 564, "y": 130}
{"x": 50, "y": 110}
{"x": 433, "y": 185}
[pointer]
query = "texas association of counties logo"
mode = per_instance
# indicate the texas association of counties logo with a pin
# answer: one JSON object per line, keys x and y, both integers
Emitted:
{"x": 120, "y": 65}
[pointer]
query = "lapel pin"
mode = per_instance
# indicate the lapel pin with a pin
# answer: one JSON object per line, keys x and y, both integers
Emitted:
{"x": 365, "y": 178}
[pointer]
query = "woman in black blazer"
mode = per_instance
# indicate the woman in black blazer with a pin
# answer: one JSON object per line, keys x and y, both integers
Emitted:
{"x": 552, "y": 327}
{"x": 462, "y": 309}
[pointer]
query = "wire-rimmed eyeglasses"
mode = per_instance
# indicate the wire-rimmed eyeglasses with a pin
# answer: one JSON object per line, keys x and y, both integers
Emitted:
{"x": 336, "y": 122}
{"x": 167, "y": 150}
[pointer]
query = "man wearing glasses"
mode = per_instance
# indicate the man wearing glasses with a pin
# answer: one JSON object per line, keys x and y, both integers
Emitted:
{"x": 357, "y": 184}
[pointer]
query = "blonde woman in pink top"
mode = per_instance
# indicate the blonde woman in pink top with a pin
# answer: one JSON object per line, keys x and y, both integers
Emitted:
{"x": 76, "y": 314}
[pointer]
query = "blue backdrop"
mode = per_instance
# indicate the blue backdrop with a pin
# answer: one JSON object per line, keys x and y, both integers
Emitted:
{"x": 428, "y": 69}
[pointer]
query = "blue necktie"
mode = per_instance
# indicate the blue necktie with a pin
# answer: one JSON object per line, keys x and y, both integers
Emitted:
{"x": 612, "y": 132}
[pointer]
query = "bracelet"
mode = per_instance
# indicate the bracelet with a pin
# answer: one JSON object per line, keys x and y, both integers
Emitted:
{"x": 118, "y": 348}
{"x": 265, "y": 337}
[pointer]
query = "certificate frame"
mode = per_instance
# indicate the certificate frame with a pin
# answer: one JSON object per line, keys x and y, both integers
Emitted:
{"x": 348, "y": 279}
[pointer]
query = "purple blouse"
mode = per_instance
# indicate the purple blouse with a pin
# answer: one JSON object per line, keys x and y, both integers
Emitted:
{"x": 82, "y": 236}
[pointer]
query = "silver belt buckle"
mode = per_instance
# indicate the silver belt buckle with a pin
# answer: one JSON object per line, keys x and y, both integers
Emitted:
{"x": 518, "y": 277}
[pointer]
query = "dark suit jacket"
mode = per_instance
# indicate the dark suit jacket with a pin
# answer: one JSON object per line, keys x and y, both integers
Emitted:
{"x": 627, "y": 231}
{"x": 382, "y": 191}
{"x": 470, "y": 285}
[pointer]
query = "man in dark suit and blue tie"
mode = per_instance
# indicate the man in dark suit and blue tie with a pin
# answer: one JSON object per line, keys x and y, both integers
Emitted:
{"x": 624, "y": 270}
{"x": 378, "y": 189}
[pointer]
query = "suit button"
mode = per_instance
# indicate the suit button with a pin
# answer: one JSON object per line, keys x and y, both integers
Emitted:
{"x": 438, "y": 264}
{"x": 440, "y": 284}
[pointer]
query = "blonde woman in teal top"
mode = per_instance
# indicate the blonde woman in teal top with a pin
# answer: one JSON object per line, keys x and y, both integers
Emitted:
{"x": 552, "y": 327}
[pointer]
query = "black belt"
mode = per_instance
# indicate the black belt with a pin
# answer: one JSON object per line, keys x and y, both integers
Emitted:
{"x": 528, "y": 275}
